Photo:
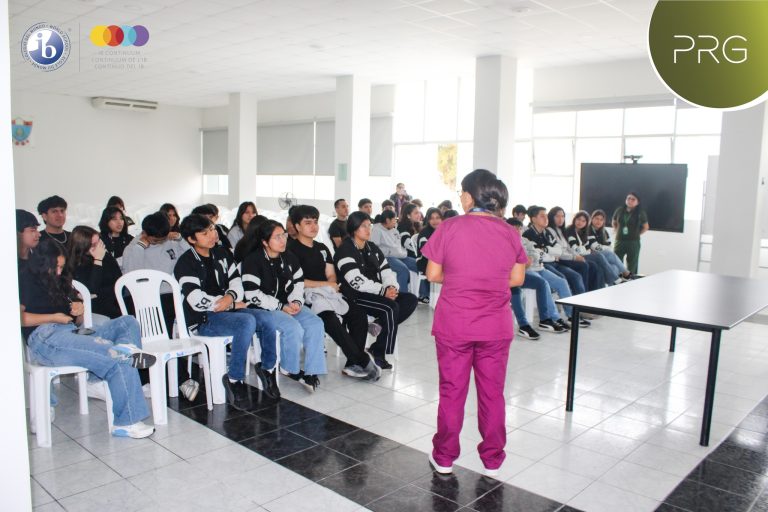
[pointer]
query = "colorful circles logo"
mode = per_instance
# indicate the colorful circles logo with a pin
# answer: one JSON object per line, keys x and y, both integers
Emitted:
{"x": 712, "y": 53}
{"x": 124, "y": 35}
{"x": 45, "y": 46}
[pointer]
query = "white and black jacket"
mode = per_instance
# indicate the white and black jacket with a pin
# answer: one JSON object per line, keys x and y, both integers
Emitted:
{"x": 601, "y": 236}
{"x": 561, "y": 238}
{"x": 198, "y": 286}
{"x": 272, "y": 283}
{"x": 362, "y": 270}
{"x": 545, "y": 242}
{"x": 582, "y": 242}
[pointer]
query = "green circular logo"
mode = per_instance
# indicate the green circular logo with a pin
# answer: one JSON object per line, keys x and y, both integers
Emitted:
{"x": 712, "y": 53}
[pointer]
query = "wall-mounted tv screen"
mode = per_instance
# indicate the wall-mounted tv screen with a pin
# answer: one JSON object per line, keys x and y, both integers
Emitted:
{"x": 661, "y": 188}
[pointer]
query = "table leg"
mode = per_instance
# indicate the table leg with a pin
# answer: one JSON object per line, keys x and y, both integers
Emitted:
{"x": 572, "y": 359}
{"x": 672, "y": 339}
{"x": 709, "y": 397}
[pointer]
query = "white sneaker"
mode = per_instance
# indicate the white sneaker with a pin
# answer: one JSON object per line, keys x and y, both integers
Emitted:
{"x": 443, "y": 470}
{"x": 95, "y": 389}
{"x": 493, "y": 473}
{"x": 137, "y": 431}
{"x": 189, "y": 389}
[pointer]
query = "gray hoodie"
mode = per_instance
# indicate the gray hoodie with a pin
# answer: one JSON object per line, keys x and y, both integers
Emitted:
{"x": 162, "y": 257}
{"x": 388, "y": 240}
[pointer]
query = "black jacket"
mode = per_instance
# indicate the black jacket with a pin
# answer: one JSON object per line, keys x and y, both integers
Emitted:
{"x": 365, "y": 270}
{"x": 271, "y": 284}
{"x": 100, "y": 280}
{"x": 194, "y": 279}
{"x": 115, "y": 246}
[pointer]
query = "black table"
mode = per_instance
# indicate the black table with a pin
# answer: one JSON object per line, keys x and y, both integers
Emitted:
{"x": 678, "y": 298}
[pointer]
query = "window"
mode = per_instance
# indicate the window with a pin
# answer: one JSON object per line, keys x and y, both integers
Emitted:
{"x": 214, "y": 162}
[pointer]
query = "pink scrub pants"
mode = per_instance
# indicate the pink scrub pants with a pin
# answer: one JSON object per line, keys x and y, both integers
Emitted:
{"x": 455, "y": 359}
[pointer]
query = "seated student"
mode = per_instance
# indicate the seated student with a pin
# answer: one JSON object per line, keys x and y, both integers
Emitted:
{"x": 444, "y": 206}
{"x": 365, "y": 205}
{"x": 338, "y": 228}
{"x": 209, "y": 213}
{"x": 387, "y": 238}
{"x": 117, "y": 202}
{"x": 519, "y": 212}
{"x": 114, "y": 232}
{"x": 274, "y": 281}
{"x": 50, "y": 316}
{"x": 172, "y": 214}
{"x": 550, "y": 250}
{"x": 53, "y": 210}
{"x": 289, "y": 227}
{"x": 368, "y": 280}
{"x": 250, "y": 241}
{"x": 89, "y": 262}
{"x": 450, "y": 213}
{"x": 603, "y": 239}
{"x": 221, "y": 228}
{"x": 345, "y": 322}
{"x": 434, "y": 218}
{"x": 420, "y": 217}
{"x": 27, "y": 237}
{"x": 535, "y": 273}
{"x": 245, "y": 212}
{"x": 153, "y": 249}
{"x": 409, "y": 225}
{"x": 596, "y": 278}
{"x": 385, "y": 205}
{"x": 214, "y": 306}
{"x": 583, "y": 243}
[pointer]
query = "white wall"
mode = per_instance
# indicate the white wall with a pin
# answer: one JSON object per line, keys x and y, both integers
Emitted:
{"x": 15, "y": 491}
{"x": 86, "y": 155}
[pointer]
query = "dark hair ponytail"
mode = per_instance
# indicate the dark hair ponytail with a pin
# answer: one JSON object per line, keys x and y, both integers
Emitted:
{"x": 488, "y": 192}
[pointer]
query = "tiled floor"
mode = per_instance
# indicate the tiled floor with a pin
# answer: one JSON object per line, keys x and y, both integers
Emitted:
{"x": 632, "y": 440}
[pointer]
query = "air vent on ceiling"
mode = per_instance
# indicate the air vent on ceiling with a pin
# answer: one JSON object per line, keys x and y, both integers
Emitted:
{"x": 123, "y": 104}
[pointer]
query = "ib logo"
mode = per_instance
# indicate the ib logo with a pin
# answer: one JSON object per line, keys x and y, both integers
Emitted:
{"x": 45, "y": 46}
{"x": 125, "y": 35}
{"x": 712, "y": 53}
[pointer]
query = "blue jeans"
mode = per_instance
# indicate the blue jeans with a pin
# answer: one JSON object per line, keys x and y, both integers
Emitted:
{"x": 403, "y": 267}
{"x": 241, "y": 324}
{"x": 559, "y": 285}
{"x": 58, "y": 345}
{"x": 544, "y": 300}
{"x": 614, "y": 261}
{"x": 609, "y": 273}
{"x": 302, "y": 329}
{"x": 573, "y": 272}
{"x": 267, "y": 333}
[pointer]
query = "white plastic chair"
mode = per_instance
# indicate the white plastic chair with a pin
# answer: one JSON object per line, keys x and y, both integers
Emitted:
{"x": 144, "y": 287}
{"x": 40, "y": 378}
{"x": 529, "y": 302}
{"x": 434, "y": 294}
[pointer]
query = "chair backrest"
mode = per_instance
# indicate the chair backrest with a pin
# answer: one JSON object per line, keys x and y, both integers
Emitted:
{"x": 85, "y": 293}
{"x": 144, "y": 287}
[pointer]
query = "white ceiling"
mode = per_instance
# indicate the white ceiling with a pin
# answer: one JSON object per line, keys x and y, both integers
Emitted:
{"x": 200, "y": 50}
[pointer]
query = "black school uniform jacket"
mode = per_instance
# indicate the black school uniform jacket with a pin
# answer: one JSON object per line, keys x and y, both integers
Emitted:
{"x": 194, "y": 280}
{"x": 421, "y": 241}
{"x": 584, "y": 241}
{"x": 271, "y": 284}
{"x": 601, "y": 235}
{"x": 365, "y": 270}
{"x": 545, "y": 242}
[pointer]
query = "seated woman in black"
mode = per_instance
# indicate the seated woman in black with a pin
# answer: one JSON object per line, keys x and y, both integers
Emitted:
{"x": 433, "y": 218}
{"x": 367, "y": 279}
{"x": 117, "y": 202}
{"x": 89, "y": 262}
{"x": 114, "y": 231}
{"x": 50, "y": 315}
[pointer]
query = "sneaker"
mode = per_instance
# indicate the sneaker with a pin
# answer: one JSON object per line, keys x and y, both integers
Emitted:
{"x": 95, "y": 389}
{"x": 294, "y": 376}
{"x": 565, "y": 325}
{"x": 492, "y": 473}
{"x": 268, "y": 382}
{"x": 311, "y": 382}
{"x": 237, "y": 393}
{"x": 381, "y": 362}
{"x": 133, "y": 355}
{"x": 582, "y": 322}
{"x": 189, "y": 389}
{"x": 424, "y": 300}
{"x": 373, "y": 371}
{"x": 374, "y": 329}
{"x": 549, "y": 325}
{"x": 355, "y": 371}
{"x": 137, "y": 431}
{"x": 527, "y": 331}
{"x": 443, "y": 470}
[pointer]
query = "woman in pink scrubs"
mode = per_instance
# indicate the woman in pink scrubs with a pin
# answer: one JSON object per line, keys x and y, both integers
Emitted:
{"x": 478, "y": 257}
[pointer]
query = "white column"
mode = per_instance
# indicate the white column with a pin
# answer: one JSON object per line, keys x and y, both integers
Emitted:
{"x": 741, "y": 179}
{"x": 352, "y": 138}
{"x": 241, "y": 146}
{"x": 14, "y": 470}
{"x": 495, "y": 89}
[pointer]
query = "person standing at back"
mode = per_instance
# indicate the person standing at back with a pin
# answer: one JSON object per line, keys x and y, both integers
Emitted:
{"x": 629, "y": 222}
{"x": 400, "y": 197}
{"x": 478, "y": 257}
